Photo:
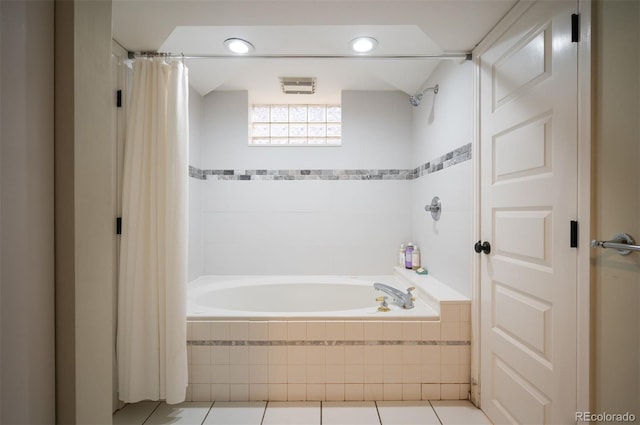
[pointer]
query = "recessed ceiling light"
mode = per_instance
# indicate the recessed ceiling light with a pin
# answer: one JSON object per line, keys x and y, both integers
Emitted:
{"x": 238, "y": 46}
{"x": 363, "y": 44}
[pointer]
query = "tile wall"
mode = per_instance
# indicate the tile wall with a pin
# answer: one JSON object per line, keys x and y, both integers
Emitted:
{"x": 347, "y": 360}
{"x": 293, "y": 210}
{"x": 314, "y": 221}
{"x": 330, "y": 210}
{"x": 440, "y": 124}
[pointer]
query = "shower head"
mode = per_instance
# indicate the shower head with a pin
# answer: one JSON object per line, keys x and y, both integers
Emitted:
{"x": 415, "y": 100}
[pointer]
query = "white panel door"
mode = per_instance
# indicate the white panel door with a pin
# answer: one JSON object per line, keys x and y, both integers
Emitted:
{"x": 528, "y": 157}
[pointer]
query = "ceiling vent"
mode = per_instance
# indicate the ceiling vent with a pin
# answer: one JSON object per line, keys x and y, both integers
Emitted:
{"x": 298, "y": 85}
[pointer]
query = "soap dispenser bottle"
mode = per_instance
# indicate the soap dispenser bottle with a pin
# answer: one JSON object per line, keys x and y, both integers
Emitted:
{"x": 415, "y": 258}
{"x": 402, "y": 252}
{"x": 408, "y": 256}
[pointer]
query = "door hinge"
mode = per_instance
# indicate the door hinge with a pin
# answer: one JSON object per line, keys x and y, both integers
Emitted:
{"x": 118, "y": 225}
{"x": 575, "y": 28}
{"x": 119, "y": 98}
{"x": 574, "y": 234}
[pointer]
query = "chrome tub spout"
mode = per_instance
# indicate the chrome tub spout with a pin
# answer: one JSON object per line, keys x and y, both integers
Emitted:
{"x": 405, "y": 300}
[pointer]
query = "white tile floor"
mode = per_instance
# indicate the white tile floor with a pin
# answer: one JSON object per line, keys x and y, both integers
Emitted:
{"x": 302, "y": 413}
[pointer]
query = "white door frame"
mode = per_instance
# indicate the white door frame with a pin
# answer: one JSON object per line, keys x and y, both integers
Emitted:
{"x": 584, "y": 203}
{"x": 583, "y": 331}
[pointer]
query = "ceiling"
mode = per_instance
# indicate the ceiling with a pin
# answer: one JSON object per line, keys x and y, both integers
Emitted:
{"x": 306, "y": 27}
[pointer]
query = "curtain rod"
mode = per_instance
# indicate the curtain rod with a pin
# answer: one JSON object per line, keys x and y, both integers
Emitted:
{"x": 444, "y": 56}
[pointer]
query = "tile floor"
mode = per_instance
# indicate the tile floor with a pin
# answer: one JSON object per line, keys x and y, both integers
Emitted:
{"x": 302, "y": 413}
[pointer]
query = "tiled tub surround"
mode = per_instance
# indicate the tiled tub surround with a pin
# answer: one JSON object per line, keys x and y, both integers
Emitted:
{"x": 456, "y": 156}
{"x": 364, "y": 358}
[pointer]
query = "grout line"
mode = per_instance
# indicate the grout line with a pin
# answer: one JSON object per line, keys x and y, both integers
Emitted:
{"x": 320, "y": 412}
{"x": 436, "y": 412}
{"x": 208, "y": 411}
{"x": 154, "y": 409}
{"x": 266, "y": 405}
{"x": 378, "y": 412}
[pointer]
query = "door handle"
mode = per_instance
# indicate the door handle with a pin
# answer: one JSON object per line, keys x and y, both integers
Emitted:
{"x": 482, "y": 247}
{"x": 621, "y": 242}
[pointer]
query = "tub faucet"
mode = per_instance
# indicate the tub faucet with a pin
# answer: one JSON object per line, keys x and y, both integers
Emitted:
{"x": 402, "y": 299}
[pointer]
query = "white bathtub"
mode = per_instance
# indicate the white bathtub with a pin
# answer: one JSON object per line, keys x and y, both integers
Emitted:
{"x": 315, "y": 338}
{"x": 296, "y": 297}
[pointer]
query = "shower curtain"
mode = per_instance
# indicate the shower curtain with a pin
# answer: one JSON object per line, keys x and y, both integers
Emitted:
{"x": 151, "y": 341}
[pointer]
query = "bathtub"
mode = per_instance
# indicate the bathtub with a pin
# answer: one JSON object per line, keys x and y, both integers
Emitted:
{"x": 302, "y": 297}
{"x": 321, "y": 338}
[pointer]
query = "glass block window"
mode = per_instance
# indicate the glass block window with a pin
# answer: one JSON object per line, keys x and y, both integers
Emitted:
{"x": 296, "y": 125}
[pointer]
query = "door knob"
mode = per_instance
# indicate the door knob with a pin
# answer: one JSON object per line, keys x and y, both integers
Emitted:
{"x": 482, "y": 247}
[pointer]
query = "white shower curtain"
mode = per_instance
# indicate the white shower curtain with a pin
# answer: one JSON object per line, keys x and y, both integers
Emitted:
{"x": 151, "y": 343}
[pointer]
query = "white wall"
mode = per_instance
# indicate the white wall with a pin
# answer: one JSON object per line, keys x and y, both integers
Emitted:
{"x": 307, "y": 227}
{"x": 27, "y": 368}
{"x": 442, "y": 123}
{"x": 342, "y": 227}
{"x": 94, "y": 192}
{"x": 196, "y": 104}
{"x": 304, "y": 227}
{"x": 85, "y": 186}
{"x": 196, "y": 239}
{"x": 376, "y": 133}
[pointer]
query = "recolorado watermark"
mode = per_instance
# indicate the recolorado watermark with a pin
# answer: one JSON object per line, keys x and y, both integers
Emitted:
{"x": 605, "y": 417}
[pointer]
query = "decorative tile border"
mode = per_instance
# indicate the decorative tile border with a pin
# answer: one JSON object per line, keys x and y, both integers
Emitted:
{"x": 454, "y": 157}
{"x": 196, "y": 173}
